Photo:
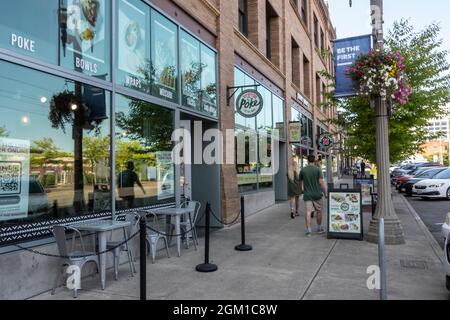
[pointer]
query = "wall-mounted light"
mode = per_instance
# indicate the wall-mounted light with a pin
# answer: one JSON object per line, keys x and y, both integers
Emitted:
{"x": 74, "y": 107}
{"x": 44, "y": 99}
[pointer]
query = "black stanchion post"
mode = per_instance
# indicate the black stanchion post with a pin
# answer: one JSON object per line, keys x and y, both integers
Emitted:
{"x": 207, "y": 267}
{"x": 143, "y": 258}
{"x": 243, "y": 246}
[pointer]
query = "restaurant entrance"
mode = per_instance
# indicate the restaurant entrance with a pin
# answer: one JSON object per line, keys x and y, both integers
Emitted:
{"x": 199, "y": 178}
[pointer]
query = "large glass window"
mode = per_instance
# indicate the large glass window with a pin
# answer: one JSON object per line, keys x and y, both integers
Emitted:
{"x": 30, "y": 27}
{"x": 54, "y": 147}
{"x": 256, "y": 172}
{"x": 144, "y": 168}
{"x": 278, "y": 116}
{"x": 85, "y": 36}
{"x": 208, "y": 81}
{"x": 164, "y": 57}
{"x": 133, "y": 45}
{"x": 190, "y": 70}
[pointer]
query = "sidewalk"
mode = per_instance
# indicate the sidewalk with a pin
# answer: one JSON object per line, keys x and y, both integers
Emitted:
{"x": 284, "y": 265}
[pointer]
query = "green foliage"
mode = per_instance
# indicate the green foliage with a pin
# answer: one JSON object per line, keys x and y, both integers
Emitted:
{"x": 3, "y": 132}
{"x": 427, "y": 68}
{"x": 44, "y": 152}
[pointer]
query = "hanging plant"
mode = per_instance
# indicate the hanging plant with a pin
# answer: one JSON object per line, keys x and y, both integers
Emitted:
{"x": 381, "y": 73}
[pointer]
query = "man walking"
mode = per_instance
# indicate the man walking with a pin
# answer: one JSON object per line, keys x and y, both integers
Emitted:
{"x": 363, "y": 169}
{"x": 314, "y": 188}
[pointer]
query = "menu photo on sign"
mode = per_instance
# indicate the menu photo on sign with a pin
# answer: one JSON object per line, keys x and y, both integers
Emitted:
{"x": 132, "y": 42}
{"x": 85, "y": 33}
{"x": 345, "y": 219}
{"x": 14, "y": 175}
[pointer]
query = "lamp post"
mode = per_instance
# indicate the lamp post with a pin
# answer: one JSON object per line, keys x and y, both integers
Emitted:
{"x": 385, "y": 206}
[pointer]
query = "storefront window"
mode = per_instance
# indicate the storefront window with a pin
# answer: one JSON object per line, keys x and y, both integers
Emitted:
{"x": 54, "y": 147}
{"x": 208, "y": 81}
{"x": 264, "y": 118}
{"x": 265, "y": 176}
{"x": 85, "y": 32}
{"x": 191, "y": 70}
{"x": 133, "y": 45}
{"x": 247, "y": 165}
{"x": 278, "y": 116}
{"x": 144, "y": 167}
{"x": 22, "y": 32}
{"x": 164, "y": 57}
{"x": 241, "y": 79}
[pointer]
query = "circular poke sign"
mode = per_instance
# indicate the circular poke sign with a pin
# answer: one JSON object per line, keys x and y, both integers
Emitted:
{"x": 326, "y": 140}
{"x": 345, "y": 207}
{"x": 249, "y": 103}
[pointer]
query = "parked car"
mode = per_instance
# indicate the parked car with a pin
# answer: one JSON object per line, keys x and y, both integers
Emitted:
{"x": 407, "y": 186}
{"x": 446, "y": 234}
{"x": 410, "y": 168}
{"x": 38, "y": 199}
{"x": 438, "y": 187}
{"x": 407, "y": 176}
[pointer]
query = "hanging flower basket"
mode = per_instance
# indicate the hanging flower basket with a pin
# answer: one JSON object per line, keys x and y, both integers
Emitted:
{"x": 381, "y": 73}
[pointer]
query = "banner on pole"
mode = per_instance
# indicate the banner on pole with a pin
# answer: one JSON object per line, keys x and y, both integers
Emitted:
{"x": 346, "y": 51}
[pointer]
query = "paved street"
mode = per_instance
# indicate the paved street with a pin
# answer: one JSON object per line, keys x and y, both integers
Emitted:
{"x": 433, "y": 213}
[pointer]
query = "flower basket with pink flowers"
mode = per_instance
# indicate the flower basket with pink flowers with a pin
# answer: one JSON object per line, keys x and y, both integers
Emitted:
{"x": 381, "y": 73}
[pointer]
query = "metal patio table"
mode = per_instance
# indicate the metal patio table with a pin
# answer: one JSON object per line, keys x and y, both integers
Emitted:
{"x": 102, "y": 228}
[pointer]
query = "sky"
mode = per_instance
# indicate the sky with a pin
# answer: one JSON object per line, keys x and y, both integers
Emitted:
{"x": 355, "y": 21}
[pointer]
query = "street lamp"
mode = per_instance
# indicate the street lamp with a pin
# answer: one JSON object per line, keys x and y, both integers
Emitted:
{"x": 385, "y": 206}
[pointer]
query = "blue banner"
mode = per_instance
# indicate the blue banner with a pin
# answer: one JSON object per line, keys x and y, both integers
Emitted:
{"x": 346, "y": 51}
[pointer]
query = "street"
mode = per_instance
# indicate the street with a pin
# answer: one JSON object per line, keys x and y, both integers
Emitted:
{"x": 432, "y": 212}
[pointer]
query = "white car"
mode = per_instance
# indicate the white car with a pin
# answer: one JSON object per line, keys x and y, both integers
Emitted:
{"x": 439, "y": 187}
{"x": 446, "y": 234}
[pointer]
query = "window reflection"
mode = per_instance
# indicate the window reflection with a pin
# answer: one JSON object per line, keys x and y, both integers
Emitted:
{"x": 143, "y": 153}
{"x": 54, "y": 146}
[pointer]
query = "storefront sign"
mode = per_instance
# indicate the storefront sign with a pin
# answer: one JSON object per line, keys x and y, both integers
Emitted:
{"x": 325, "y": 141}
{"x": 14, "y": 175}
{"x": 85, "y": 33}
{"x": 345, "y": 220}
{"x": 23, "y": 43}
{"x": 346, "y": 51}
{"x": 132, "y": 41}
{"x": 249, "y": 103}
{"x": 294, "y": 129}
{"x": 164, "y": 167}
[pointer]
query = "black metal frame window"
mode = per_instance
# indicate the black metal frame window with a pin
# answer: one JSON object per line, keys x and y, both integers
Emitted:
{"x": 316, "y": 31}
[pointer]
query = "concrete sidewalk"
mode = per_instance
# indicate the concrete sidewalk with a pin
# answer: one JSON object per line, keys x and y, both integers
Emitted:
{"x": 284, "y": 265}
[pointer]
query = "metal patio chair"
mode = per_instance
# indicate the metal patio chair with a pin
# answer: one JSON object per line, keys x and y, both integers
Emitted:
{"x": 153, "y": 237}
{"x": 133, "y": 218}
{"x": 73, "y": 256}
{"x": 188, "y": 225}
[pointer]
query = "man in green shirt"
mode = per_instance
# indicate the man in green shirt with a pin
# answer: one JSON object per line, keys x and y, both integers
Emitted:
{"x": 314, "y": 188}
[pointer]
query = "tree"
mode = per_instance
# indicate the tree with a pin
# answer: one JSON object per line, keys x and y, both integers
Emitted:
{"x": 3, "y": 132}
{"x": 428, "y": 72}
{"x": 95, "y": 150}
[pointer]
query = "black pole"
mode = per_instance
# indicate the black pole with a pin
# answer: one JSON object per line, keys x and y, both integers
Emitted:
{"x": 207, "y": 267}
{"x": 243, "y": 246}
{"x": 143, "y": 256}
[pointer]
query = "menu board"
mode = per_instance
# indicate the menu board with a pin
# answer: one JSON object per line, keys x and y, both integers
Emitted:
{"x": 366, "y": 186}
{"x": 345, "y": 214}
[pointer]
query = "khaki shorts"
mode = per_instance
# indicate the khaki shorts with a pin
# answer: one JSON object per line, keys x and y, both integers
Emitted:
{"x": 314, "y": 206}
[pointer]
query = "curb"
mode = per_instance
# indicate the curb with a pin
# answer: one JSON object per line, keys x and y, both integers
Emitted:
{"x": 431, "y": 240}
